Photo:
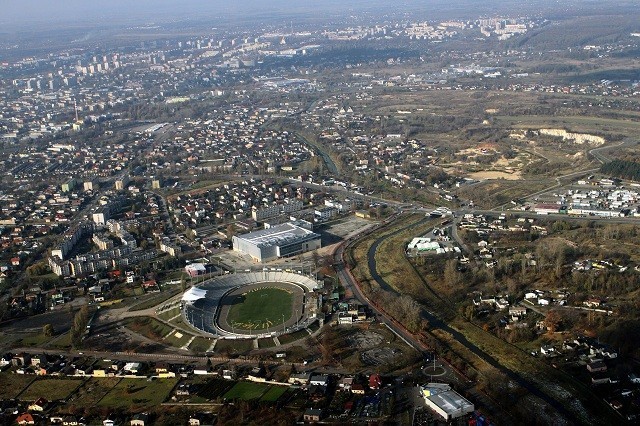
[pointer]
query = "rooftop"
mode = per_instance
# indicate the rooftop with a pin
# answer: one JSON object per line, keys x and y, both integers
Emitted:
{"x": 277, "y": 235}
{"x": 446, "y": 399}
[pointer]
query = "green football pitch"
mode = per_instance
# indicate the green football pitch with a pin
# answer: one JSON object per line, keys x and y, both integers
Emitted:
{"x": 260, "y": 308}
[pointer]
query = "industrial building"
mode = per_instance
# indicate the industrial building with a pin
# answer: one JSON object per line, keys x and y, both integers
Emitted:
{"x": 445, "y": 401}
{"x": 287, "y": 239}
{"x": 195, "y": 269}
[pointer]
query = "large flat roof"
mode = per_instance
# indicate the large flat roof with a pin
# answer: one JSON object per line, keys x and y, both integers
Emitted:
{"x": 442, "y": 396}
{"x": 285, "y": 233}
{"x": 451, "y": 402}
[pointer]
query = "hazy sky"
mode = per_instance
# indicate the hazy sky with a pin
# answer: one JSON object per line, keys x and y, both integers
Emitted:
{"x": 41, "y": 14}
{"x": 25, "y": 11}
{"x": 22, "y": 13}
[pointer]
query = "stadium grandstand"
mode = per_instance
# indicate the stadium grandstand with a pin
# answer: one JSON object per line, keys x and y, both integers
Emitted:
{"x": 202, "y": 306}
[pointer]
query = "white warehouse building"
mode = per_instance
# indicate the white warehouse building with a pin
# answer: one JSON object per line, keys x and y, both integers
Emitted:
{"x": 283, "y": 240}
{"x": 445, "y": 401}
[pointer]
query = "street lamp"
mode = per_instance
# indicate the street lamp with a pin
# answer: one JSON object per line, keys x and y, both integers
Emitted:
{"x": 283, "y": 327}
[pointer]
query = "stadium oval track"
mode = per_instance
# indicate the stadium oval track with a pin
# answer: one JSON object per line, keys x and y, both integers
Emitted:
{"x": 203, "y": 306}
{"x": 292, "y": 317}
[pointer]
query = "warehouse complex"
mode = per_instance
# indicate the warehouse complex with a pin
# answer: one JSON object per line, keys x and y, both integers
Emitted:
{"x": 285, "y": 240}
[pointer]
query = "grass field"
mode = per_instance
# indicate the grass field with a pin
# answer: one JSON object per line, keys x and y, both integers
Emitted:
{"x": 93, "y": 390}
{"x": 13, "y": 384}
{"x": 261, "y": 308}
{"x": 63, "y": 341}
{"x": 247, "y": 391}
{"x": 149, "y": 327}
{"x": 494, "y": 193}
{"x": 266, "y": 343}
{"x": 179, "y": 323}
{"x": 574, "y": 123}
{"x": 171, "y": 313}
{"x": 274, "y": 393}
{"x": 52, "y": 389}
{"x": 178, "y": 338}
{"x": 155, "y": 300}
{"x": 292, "y": 337}
{"x": 200, "y": 344}
{"x": 214, "y": 388}
{"x": 138, "y": 392}
{"x": 129, "y": 292}
{"x": 234, "y": 346}
{"x": 38, "y": 339}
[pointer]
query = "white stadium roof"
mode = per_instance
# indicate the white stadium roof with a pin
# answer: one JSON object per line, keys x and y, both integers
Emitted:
{"x": 194, "y": 294}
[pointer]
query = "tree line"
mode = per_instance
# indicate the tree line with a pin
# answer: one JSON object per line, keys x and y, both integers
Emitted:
{"x": 623, "y": 169}
{"x": 79, "y": 326}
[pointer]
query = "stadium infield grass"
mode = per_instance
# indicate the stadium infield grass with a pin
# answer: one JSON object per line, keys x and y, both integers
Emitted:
{"x": 260, "y": 309}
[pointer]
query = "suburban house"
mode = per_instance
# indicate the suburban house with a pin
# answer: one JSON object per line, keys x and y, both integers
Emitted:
{"x": 184, "y": 389}
{"x": 547, "y": 350}
{"x": 25, "y": 419}
{"x": 140, "y": 419}
{"x": 375, "y": 381}
{"x": 201, "y": 419}
{"x": 162, "y": 367}
{"x": 299, "y": 378}
{"x": 357, "y": 389}
{"x": 73, "y": 421}
{"x": 21, "y": 359}
{"x": 596, "y": 366}
{"x": 39, "y": 404}
{"x": 346, "y": 383}
{"x": 319, "y": 380}
{"x": 228, "y": 374}
{"x": 312, "y": 415}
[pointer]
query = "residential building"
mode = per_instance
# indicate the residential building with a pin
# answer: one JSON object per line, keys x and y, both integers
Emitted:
{"x": 312, "y": 415}
{"x": 122, "y": 183}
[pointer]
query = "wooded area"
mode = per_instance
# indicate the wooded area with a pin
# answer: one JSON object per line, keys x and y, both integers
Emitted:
{"x": 623, "y": 169}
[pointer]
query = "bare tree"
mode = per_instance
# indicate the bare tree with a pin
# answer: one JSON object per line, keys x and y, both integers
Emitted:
{"x": 48, "y": 330}
{"x": 231, "y": 230}
{"x": 552, "y": 321}
{"x": 452, "y": 277}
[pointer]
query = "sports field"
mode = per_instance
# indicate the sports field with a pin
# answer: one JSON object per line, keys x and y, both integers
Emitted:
{"x": 260, "y": 308}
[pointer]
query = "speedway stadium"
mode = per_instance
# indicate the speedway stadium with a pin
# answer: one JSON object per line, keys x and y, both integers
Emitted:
{"x": 250, "y": 305}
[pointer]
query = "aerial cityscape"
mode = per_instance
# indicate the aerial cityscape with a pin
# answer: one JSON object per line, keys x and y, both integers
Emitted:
{"x": 358, "y": 212}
